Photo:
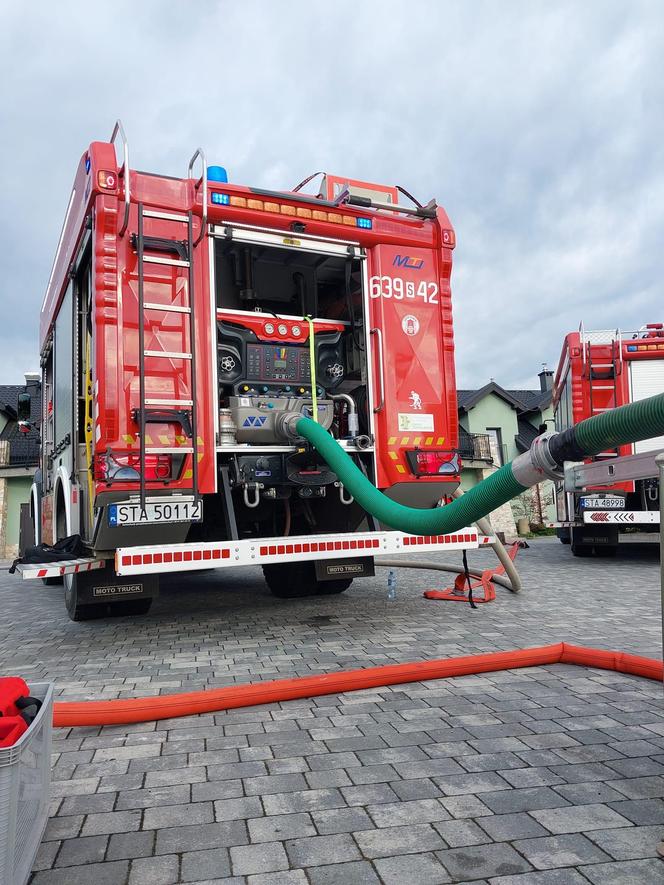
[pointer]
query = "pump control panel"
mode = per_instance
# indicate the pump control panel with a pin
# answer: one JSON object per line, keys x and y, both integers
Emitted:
{"x": 275, "y": 362}
{"x": 246, "y": 358}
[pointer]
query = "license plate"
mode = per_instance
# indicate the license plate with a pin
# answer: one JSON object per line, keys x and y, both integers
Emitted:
{"x": 134, "y": 514}
{"x": 610, "y": 502}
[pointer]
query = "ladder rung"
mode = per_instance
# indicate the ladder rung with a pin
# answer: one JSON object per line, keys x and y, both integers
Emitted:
{"x": 166, "y": 216}
{"x": 169, "y": 402}
{"x": 167, "y": 308}
{"x": 171, "y": 262}
{"x": 168, "y": 354}
{"x": 601, "y": 365}
{"x": 596, "y": 409}
{"x": 169, "y": 450}
{"x": 603, "y": 387}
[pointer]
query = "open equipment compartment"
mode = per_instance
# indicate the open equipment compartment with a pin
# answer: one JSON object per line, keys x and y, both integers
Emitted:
{"x": 271, "y": 292}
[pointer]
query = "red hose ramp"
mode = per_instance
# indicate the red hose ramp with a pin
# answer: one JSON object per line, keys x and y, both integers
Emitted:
{"x": 457, "y": 593}
{"x": 127, "y": 710}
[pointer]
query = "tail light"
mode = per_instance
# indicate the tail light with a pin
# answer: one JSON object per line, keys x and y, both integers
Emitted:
{"x": 107, "y": 180}
{"x": 433, "y": 463}
{"x": 126, "y": 468}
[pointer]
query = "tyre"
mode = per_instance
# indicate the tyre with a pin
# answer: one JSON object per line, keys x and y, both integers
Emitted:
{"x": 295, "y": 580}
{"x": 330, "y": 588}
{"x": 51, "y": 582}
{"x": 581, "y": 550}
{"x": 130, "y": 608}
{"x": 76, "y": 610}
{"x": 608, "y": 552}
{"x": 563, "y": 535}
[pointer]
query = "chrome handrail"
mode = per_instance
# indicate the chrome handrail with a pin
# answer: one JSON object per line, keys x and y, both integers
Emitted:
{"x": 118, "y": 129}
{"x": 381, "y": 370}
{"x": 620, "y": 350}
{"x": 200, "y": 153}
{"x": 583, "y": 350}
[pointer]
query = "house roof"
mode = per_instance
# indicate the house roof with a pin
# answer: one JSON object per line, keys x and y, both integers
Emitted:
{"x": 526, "y": 435}
{"x": 521, "y": 400}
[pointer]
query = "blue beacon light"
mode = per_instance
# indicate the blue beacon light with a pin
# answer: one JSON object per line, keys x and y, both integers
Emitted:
{"x": 217, "y": 173}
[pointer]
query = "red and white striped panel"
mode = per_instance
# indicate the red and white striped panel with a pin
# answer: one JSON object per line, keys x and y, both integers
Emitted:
{"x": 266, "y": 551}
{"x": 58, "y": 569}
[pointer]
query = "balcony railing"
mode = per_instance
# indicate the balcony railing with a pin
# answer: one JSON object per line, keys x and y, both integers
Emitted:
{"x": 475, "y": 447}
{"x": 12, "y": 455}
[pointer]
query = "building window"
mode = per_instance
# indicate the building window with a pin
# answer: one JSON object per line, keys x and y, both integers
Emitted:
{"x": 496, "y": 441}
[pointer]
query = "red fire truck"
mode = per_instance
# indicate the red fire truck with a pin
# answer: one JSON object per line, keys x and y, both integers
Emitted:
{"x": 599, "y": 371}
{"x": 183, "y": 318}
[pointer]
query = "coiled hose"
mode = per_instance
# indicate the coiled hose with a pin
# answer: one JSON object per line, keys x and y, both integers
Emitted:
{"x": 627, "y": 424}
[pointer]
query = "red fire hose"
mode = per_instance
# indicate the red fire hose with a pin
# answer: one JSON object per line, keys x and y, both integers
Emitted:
{"x": 127, "y": 710}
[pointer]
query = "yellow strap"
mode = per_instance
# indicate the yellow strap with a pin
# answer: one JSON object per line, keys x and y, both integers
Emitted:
{"x": 89, "y": 430}
{"x": 312, "y": 360}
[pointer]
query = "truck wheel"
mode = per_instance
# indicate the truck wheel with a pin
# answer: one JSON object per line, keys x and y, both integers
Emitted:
{"x": 330, "y": 588}
{"x": 563, "y": 535}
{"x": 75, "y": 609}
{"x": 608, "y": 552}
{"x": 294, "y": 580}
{"x": 581, "y": 550}
{"x": 131, "y": 608}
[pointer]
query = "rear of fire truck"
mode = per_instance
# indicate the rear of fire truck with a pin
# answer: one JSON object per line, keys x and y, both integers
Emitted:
{"x": 186, "y": 323}
{"x": 599, "y": 371}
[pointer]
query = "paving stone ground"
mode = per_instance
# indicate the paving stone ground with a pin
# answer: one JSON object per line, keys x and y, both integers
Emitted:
{"x": 543, "y": 775}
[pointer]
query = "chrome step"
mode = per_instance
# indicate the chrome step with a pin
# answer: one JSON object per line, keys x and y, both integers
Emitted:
{"x": 169, "y": 402}
{"x": 170, "y": 262}
{"x": 169, "y": 450}
{"x": 168, "y": 354}
{"x": 166, "y": 308}
{"x": 166, "y": 216}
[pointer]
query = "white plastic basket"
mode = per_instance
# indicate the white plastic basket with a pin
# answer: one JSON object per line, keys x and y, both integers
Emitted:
{"x": 25, "y": 777}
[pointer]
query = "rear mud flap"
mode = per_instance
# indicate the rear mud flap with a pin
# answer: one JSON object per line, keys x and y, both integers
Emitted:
{"x": 104, "y": 586}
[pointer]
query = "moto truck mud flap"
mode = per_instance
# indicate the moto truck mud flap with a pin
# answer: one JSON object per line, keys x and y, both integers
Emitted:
{"x": 103, "y": 586}
{"x": 354, "y": 567}
{"x": 595, "y": 535}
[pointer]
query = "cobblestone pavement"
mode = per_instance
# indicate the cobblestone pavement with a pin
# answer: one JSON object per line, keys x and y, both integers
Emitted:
{"x": 544, "y": 775}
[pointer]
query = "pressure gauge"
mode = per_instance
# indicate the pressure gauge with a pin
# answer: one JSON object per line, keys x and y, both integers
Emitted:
{"x": 283, "y": 330}
{"x": 296, "y": 331}
{"x": 269, "y": 329}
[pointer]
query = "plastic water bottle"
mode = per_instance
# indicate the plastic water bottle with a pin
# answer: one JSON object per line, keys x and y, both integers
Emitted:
{"x": 391, "y": 586}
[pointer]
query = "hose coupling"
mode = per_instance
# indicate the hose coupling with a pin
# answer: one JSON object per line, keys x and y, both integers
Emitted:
{"x": 285, "y": 426}
{"x": 540, "y": 454}
{"x": 537, "y": 463}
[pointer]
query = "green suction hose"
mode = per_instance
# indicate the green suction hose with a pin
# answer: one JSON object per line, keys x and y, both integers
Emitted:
{"x": 631, "y": 423}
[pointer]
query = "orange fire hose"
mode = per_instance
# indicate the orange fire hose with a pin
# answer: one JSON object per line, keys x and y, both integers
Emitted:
{"x": 126, "y": 710}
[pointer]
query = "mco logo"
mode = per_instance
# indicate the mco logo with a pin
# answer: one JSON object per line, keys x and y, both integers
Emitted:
{"x": 407, "y": 261}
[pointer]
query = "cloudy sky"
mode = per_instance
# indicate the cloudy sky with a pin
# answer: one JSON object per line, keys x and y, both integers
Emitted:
{"x": 538, "y": 125}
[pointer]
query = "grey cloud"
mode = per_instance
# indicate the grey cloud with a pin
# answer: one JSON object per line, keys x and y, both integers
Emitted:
{"x": 538, "y": 126}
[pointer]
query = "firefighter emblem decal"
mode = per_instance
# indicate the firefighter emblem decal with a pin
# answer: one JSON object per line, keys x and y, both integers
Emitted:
{"x": 410, "y": 324}
{"x": 415, "y": 400}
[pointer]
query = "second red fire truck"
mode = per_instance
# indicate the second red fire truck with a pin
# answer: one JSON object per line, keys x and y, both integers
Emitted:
{"x": 599, "y": 371}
